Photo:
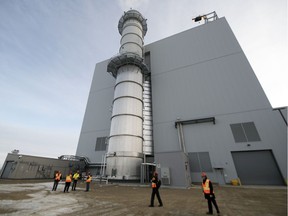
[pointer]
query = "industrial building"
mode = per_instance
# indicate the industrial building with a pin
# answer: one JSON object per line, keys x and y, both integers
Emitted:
{"x": 183, "y": 105}
{"x": 19, "y": 166}
{"x": 204, "y": 107}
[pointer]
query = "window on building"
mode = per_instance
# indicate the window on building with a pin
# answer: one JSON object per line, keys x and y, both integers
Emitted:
{"x": 101, "y": 144}
{"x": 245, "y": 132}
{"x": 200, "y": 162}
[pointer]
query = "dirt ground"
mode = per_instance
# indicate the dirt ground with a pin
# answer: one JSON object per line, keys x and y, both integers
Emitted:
{"x": 36, "y": 198}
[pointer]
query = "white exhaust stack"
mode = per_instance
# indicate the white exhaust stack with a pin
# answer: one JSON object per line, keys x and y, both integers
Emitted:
{"x": 125, "y": 149}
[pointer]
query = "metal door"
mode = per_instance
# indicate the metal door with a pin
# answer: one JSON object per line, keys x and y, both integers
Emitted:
{"x": 257, "y": 168}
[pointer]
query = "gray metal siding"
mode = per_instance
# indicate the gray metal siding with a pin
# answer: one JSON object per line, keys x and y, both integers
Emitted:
{"x": 28, "y": 167}
{"x": 178, "y": 172}
{"x": 87, "y": 147}
{"x": 206, "y": 42}
{"x": 220, "y": 81}
{"x": 219, "y": 141}
{"x": 97, "y": 118}
{"x": 203, "y": 72}
{"x": 7, "y": 169}
{"x": 98, "y": 111}
{"x": 165, "y": 137}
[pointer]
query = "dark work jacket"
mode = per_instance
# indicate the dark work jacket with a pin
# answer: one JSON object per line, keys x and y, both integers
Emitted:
{"x": 156, "y": 181}
{"x": 211, "y": 189}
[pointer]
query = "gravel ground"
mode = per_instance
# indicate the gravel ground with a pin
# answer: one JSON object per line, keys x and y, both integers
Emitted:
{"x": 28, "y": 197}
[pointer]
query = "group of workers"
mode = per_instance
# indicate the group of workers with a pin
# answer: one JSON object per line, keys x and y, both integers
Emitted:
{"x": 207, "y": 188}
{"x": 71, "y": 178}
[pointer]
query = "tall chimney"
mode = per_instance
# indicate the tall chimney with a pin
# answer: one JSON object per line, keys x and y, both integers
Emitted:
{"x": 125, "y": 149}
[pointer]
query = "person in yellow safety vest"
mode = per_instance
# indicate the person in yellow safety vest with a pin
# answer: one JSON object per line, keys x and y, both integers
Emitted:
{"x": 57, "y": 178}
{"x": 155, "y": 184}
{"x": 209, "y": 194}
{"x": 76, "y": 176}
{"x": 68, "y": 181}
{"x": 88, "y": 180}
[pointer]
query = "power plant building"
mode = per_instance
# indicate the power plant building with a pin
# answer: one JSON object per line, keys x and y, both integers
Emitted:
{"x": 207, "y": 111}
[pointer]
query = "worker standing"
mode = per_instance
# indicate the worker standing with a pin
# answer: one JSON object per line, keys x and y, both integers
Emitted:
{"x": 155, "y": 183}
{"x": 68, "y": 181}
{"x": 57, "y": 178}
{"x": 209, "y": 194}
{"x": 76, "y": 176}
{"x": 88, "y": 180}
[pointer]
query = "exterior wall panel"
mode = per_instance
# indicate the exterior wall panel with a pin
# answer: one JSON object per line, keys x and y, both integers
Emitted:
{"x": 97, "y": 118}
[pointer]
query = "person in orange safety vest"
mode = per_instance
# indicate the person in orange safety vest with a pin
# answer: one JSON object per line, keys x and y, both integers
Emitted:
{"x": 155, "y": 183}
{"x": 68, "y": 181}
{"x": 209, "y": 194}
{"x": 57, "y": 178}
{"x": 88, "y": 180}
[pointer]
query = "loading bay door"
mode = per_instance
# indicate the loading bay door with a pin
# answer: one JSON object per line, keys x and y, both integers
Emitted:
{"x": 257, "y": 168}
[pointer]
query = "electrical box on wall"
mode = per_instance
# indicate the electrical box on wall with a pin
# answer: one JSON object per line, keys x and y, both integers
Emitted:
{"x": 165, "y": 176}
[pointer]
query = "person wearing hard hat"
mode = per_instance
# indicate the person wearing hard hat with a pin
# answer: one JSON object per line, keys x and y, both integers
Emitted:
{"x": 209, "y": 194}
{"x": 155, "y": 183}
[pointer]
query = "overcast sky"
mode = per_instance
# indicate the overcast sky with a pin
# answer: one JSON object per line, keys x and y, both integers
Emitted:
{"x": 49, "y": 48}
